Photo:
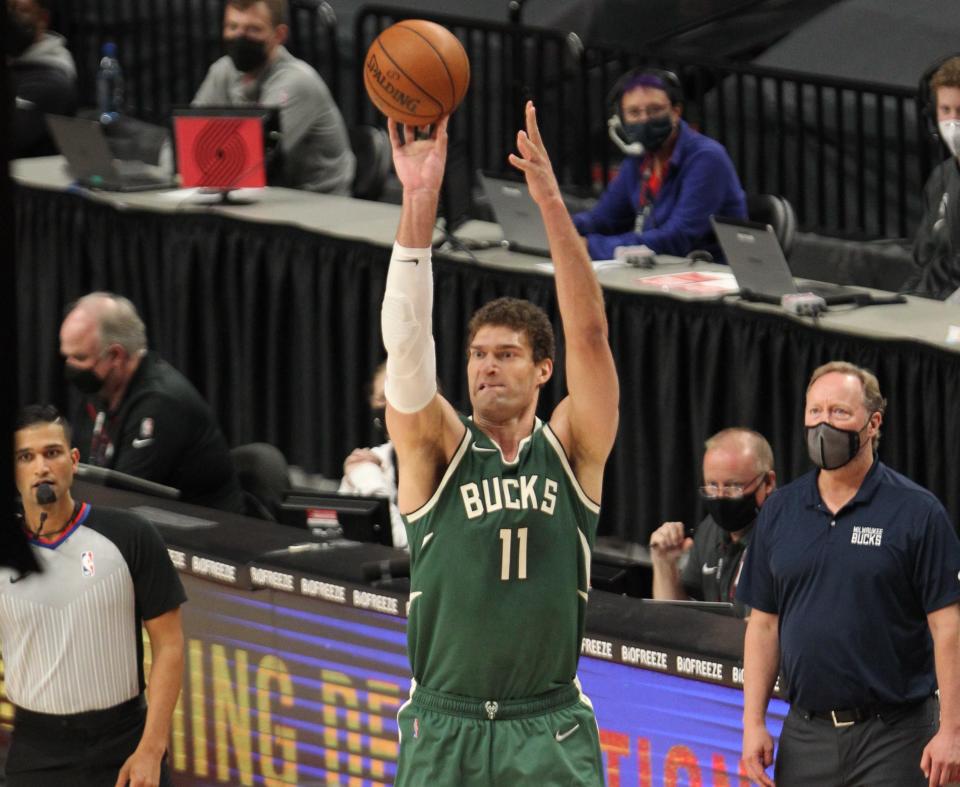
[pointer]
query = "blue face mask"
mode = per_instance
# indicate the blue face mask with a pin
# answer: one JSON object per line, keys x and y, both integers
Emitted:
{"x": 651, "y": 133}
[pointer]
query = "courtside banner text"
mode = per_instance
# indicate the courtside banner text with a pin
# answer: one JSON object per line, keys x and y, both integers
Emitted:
{"x": 280, "y": 689}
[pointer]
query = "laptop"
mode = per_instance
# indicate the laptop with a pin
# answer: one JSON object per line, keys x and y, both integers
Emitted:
{"x": 760, "y": 267}
{"x": 517, "y": 214}
{"x": 91, "y": 162}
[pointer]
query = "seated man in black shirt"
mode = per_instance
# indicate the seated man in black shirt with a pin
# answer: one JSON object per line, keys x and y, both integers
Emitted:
{"x": 43, "y": 72}
{"x": 139, "y": 415}
{"x": 738, "y": 476}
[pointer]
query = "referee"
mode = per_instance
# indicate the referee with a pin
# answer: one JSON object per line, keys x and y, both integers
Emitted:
{"x": 71, "y": 635}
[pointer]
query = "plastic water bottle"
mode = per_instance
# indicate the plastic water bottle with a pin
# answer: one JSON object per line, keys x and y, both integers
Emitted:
{"x": 109, "y": 84}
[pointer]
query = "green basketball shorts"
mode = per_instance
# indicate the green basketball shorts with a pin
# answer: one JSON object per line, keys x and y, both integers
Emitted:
{"x": 450, "y": 741}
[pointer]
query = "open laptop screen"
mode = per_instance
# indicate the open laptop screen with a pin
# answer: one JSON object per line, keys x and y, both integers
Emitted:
{"x": 516, "y": 213}
{"x": 223, "y": 147}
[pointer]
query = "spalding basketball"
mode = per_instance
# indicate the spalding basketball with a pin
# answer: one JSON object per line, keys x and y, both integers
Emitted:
{"x": 416, "y": 72}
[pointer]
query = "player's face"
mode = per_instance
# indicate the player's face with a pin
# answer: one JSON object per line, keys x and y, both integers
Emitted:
{"x": 837, "y": 398}
{"x": 42, "y": 455}
{"x": 502, "y": 376}
{"x": 948, "y": 103}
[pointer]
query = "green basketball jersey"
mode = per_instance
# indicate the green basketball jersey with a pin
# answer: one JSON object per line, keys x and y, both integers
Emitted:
{"x": 500, "y": 562}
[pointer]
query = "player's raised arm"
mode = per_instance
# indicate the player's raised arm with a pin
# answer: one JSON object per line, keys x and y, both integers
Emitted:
{"x": 423, "y": 427}
{"x": 586, "y": 422}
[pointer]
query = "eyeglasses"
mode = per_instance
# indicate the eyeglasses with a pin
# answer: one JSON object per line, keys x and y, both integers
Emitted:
{"x": 647, "y": 113}
{"x": 733, "y": 491}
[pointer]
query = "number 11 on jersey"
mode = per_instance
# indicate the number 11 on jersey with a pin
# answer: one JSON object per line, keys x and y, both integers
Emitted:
{"x": 506, "y": 540}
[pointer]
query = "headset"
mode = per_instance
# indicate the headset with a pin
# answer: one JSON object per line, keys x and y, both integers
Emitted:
{"x": 925, "y": 97}
{"x": 671, "y": 85}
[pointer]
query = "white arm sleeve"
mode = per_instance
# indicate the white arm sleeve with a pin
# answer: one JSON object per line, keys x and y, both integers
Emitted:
{"x": 406, "y": 320}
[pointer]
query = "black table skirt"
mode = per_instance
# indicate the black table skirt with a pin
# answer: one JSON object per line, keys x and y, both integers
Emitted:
{"x": 279, "y": 329}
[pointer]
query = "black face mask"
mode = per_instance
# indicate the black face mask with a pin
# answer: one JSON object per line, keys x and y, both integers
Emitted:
{"x": 830, "y": 448}
{"x": 247, "y": 54}
{"x": 20, "y": 35}
{"x": 733, "y": 513}
{"x": 651, "y": 133}
{"x": 84, "y": 380}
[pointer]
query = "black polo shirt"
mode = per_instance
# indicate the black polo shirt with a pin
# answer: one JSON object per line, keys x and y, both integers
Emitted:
{"x": 163, "y": 431}
{"x": 715, "y": 563}
{"x": 853, "y": 590}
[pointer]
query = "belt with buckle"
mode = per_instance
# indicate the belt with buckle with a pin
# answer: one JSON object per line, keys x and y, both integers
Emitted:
{"x": 847, "y": 717}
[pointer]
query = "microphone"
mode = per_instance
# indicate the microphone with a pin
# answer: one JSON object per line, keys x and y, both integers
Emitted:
{"x": 614, "y": 129}
{"x": 378, "y": 570}
{"x": 46, "y": 494}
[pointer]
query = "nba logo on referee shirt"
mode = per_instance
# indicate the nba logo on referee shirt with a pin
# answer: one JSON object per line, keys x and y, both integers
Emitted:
{"x": 86, "y": 564}
{"x": 416, "y": 728}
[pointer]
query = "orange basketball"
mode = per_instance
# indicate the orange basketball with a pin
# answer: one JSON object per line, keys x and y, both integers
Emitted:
{"x": 416, "y": 72}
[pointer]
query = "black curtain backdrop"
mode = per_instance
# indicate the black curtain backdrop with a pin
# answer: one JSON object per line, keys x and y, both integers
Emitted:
{"x": 279, "y": 329}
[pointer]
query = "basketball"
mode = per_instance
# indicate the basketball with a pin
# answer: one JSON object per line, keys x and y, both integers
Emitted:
{"x": 416, "y": 71}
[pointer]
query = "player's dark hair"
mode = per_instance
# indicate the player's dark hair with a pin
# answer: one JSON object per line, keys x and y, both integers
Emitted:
{"x": 519, "y": 315}
{"x": 34, "y": 414}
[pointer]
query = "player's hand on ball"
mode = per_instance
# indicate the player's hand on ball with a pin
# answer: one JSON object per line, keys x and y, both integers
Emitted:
{"x": 419, "y": 163}
{"x": 534, "y": 162}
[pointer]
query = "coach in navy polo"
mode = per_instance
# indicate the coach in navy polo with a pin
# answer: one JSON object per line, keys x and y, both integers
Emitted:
{"x": 854, "y": 578}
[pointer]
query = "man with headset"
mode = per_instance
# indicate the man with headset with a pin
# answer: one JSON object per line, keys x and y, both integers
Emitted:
{"x": 937, "y": 242}
{"x": 672, "y": 180}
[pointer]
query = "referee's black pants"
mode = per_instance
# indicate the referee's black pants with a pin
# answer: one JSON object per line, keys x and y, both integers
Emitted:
{"x": 75, "y": 750}
{"x": 881, "y": 751}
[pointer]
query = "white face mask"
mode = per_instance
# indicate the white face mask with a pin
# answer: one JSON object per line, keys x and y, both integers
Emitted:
{"x": 950, "y": 134}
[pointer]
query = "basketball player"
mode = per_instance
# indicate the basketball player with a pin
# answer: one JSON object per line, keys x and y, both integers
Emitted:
{"x": 501, "y": 508}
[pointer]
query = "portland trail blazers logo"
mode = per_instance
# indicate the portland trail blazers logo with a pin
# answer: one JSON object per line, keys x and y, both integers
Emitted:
{"x": 87, "y": 568}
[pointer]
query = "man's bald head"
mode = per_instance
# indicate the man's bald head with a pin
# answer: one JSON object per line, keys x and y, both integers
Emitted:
{"x": 100, "y": 320}
{"x": 745, "y": 442}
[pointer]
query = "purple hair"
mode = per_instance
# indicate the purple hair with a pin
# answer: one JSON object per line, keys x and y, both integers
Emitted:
{"x": 654, "y": 80}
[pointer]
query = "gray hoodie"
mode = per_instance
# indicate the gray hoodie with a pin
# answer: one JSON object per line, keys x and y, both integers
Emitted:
{"x": 50, "y": 52}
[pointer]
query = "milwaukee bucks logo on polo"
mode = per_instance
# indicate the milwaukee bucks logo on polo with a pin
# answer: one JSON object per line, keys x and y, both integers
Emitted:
{"x": 514, "y": 494}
